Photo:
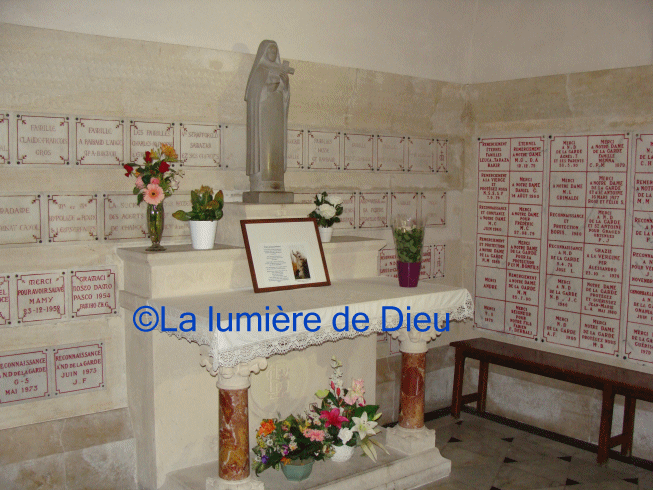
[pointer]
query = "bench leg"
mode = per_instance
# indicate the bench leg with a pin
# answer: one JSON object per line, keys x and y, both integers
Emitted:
{"x": 459, "y": 373}
{"x": 629, "y": 426}
{"x": 605, "y": 428}
{"x": 482, "y": 385}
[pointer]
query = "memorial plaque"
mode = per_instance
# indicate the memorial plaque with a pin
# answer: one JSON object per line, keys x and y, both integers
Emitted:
{"x": 489, "y": 314}
{"x": 606, "y": 190}
{"x": 174, "y": 227}
{"x": 565, "y": 259}
{"x": 441, "y": 155}
{"x": 521, "y": 320}
{"x": 42, "y": 140}
{"x": 78, "y": 368}
{"x": 100, "y": 142}
{"x": 639, "y": 325}
{"x": 522, "y": 287}
{"x": 323, "y": 150}
{"x": 388, "y": 262}
{"x": 373, "y": 210}
{"x": 72, "y": 218}
{"x": 491, "y": 283}
{"x": 567, "y": 189}
{"x": 493, "y": 219}
{"x": 608, "y": 153}
{"x": 525, "y": 220}
{"x": 494, "y": 155}
{"x": 425, "y": 269}
{"x": 359, "y": 152}
{"x": 438, "y": 261}
{"x": 304, "y": 197}
{"x": 639, "y": 342}
{"x": 5, "y": 304}
{"x": 491, "y": 251}
{"x": 603, "y": 262}
{"x": 5, "y": 155}
{"x": 295, "y": 149}
{"x": 562, "y": 327}
{"x": 527, "y": 154}
{"x": 93, "y": 291}
{"x": 493, "y": 187}
{"x": 523, "y": 254}
{"x": 20, "y": 219}
{"x": 434, "y": 208}
{"x": 41, "y": 296}
{"x": 567, "y": 225}
{"x": 348, "y": 216}
{"x": 564, "y": 293}
{"x": 123, "y": 218}
{"x": 390, "y": 153}
{"x": 526, "y": 187}
{"x": 144, "y": 136}
{"x": 599, "y": 334}
{"x": 404, "y": 203}
{"x": 23, "y": 376}
{"x": 568, "y": 153}
{"x": 601, "y": 298}
{"x": 421, "y": 155}
{"x": 199, "y": 145}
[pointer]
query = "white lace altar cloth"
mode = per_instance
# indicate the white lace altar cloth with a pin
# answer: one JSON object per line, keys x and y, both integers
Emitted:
{"x": 371, "y": 296}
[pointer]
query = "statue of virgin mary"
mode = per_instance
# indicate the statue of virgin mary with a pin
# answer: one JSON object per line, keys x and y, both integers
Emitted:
{"x": 268, "y": 99}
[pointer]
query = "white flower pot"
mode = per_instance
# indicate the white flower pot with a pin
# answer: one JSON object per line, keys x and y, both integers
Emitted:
{"x": 202, "y": 234}
{"x": 343, "y": 453}
{"x": 325, "y": 233}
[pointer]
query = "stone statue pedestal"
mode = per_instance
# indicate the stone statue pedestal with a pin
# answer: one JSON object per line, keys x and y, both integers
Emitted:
{"x": 260, "y": 197}
{"x": 229, "y": 231}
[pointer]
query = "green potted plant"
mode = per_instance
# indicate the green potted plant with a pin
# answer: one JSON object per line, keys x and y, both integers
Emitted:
{"x": 408, "y": 233}
{"x": 327, "y": 212}
{"x": 203, "y": 217}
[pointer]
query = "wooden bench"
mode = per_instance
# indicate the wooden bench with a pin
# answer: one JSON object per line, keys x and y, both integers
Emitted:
{"x": 611, "y": 380}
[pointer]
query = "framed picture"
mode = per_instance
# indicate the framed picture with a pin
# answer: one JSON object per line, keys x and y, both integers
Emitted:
{"x": 284, "y": 254}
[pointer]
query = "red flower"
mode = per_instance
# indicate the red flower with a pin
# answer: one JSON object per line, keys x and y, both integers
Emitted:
{"x": 333, "y": 418}
{"x": 164, "y": 167}
{"x": 148, "y": 157}
{"x": 129, "y": 169}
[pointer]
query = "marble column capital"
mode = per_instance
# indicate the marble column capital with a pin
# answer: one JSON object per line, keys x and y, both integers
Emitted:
{"x": 413, "y": 341}
{"x": 235, "y": 377}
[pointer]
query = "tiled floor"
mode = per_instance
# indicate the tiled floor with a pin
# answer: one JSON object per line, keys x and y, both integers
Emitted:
{"x": 486, "y": 455}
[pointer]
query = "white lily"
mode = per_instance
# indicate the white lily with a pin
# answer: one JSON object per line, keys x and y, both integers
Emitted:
{"x": 363, "y": 426}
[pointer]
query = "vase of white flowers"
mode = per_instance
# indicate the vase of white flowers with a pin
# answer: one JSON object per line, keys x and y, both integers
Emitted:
{"x": 326, "y": 213}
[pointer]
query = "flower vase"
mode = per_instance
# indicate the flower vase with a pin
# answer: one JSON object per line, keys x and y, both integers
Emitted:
{"x": 408, "y": 273}
{"x": 155, "y": 226}
{"x": 202, "y": 234}
{"x": 342, "y": 453}
{"x": 326, "y": 232}
{"x": 297, "y": 470}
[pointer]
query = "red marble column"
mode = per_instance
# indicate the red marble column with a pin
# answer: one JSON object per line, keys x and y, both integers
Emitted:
{"x": 411, "y": 409}
{"x": 233, "y": 461}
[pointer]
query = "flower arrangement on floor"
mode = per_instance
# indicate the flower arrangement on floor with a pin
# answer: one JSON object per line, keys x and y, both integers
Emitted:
{"x": 347, "y": 418}
{"x": 327, "y": 210}
{"x": 155, "y": 179}
{"x": 292, "y": 440}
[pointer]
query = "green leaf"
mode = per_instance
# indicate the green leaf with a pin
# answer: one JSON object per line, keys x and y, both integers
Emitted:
{"x": 322, "y": 393}
{"x": 181, "y": 215}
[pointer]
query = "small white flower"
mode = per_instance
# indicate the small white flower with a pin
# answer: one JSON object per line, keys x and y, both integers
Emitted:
{"x": 334, "y": 200}
{"x": 326, "y": 211}
{"x": 363, "y": 426}
{"x": 345, "y": 435}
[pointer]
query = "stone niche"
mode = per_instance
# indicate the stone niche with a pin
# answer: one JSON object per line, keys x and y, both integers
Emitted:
{"x": 173, "y": 401}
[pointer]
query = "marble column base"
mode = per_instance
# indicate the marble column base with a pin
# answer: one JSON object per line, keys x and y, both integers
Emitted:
{"x": 249, "y": 483}
{"x": 410, "y": 441}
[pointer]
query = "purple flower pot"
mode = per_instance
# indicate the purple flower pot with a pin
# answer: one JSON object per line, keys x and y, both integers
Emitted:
{"x": 408, "y": 273}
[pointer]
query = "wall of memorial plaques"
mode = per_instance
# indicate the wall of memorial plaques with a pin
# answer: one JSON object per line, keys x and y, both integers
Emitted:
{"x": 49, "y": 372}
{"x": 563, "y": 230}
{"x": 50, "y": 296}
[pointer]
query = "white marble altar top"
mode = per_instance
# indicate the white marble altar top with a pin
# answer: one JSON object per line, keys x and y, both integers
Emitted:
{"x": 371, "y": 296}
